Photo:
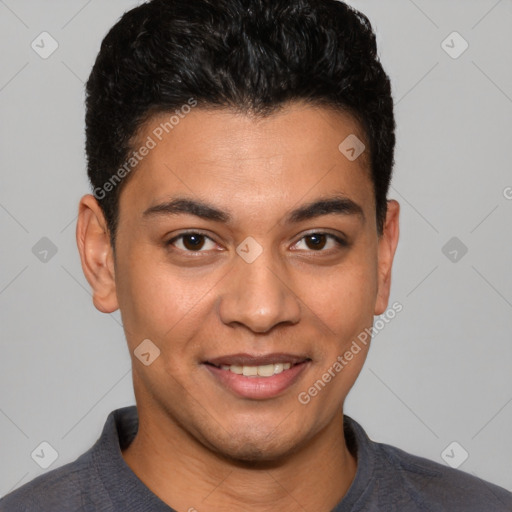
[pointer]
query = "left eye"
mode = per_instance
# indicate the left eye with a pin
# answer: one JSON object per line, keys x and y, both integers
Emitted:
{"x": 320, "y": 241}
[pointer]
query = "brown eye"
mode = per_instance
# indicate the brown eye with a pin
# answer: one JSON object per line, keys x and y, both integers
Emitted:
{"x": 316, "y": 241}
{"x": 191, "y": 242}
{"x": 321, "y": 242}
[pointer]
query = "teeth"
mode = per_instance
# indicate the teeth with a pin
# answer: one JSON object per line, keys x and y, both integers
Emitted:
{"x": 250, "y": 371}
{"x": 266, "y": 370}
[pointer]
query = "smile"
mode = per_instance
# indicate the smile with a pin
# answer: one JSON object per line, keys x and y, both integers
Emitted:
{"x": 257, "y": 377}
{"x": 266, "y": 370}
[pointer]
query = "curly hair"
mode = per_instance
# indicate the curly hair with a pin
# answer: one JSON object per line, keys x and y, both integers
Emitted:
{"x": 253, "y": 56}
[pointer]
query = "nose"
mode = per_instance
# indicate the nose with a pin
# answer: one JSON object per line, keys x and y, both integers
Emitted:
{"x": 258, "y": 295}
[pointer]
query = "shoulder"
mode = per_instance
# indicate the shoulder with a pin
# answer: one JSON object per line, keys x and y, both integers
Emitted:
{"x": 433, "y": 486}
{"x": 62, "y": 487}
{"x": 79, "y": 485}
{"x": 389, "y": 478}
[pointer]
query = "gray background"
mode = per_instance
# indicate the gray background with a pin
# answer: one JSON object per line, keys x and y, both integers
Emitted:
{"x": 438, "y": 373}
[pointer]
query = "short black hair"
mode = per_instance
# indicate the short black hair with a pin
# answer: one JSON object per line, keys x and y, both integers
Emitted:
{"x": 254, "y": 56}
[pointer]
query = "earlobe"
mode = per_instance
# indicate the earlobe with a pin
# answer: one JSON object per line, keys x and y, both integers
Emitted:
{"x": 388, "y": 242}
{"x": 96, "y": 254}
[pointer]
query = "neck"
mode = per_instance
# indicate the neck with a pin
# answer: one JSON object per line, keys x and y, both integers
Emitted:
{"x": 188, "y": 476}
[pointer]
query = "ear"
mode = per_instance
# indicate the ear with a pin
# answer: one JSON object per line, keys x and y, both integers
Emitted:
{"x": 96, "y": 254}
{"x": 388, "y": 241}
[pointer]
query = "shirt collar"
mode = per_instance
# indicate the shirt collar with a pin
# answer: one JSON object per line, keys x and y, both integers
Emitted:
{"x": 129, "y": 493}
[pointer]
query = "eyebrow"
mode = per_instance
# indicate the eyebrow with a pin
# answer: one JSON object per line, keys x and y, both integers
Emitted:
{"x": 337, "y": 204}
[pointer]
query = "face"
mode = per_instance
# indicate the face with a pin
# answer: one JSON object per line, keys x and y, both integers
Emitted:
{"x": 247, "y": 253}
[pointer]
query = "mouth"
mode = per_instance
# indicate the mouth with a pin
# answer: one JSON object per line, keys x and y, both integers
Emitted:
{"x": 257, "y": 377}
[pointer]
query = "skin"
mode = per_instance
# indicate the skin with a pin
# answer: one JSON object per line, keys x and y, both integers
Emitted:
{"x": 199, "y": 445}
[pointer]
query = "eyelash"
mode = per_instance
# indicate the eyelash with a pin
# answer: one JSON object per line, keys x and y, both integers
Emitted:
{"x": 339, "y": 241}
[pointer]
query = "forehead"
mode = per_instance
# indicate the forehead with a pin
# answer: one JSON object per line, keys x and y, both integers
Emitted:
{"x": 249, "y": 162}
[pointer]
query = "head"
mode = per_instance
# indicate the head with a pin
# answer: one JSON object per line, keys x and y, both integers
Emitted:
{"x": 230, "y": 218}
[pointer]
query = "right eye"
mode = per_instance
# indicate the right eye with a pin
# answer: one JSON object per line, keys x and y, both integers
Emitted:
{"x": 190, "y": 241}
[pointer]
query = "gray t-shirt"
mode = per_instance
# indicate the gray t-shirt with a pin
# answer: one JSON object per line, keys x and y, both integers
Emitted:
{"x": 387, "y": 479}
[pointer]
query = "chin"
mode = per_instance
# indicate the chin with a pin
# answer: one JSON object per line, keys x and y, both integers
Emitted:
{"x": 254, "y": 453}
{"x": 257, "y": 446}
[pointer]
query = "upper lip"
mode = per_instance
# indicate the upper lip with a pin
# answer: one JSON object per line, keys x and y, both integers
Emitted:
{"x": 256, "y": 360}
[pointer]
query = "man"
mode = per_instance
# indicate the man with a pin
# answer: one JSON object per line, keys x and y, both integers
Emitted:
{"x": 240, "y": 154}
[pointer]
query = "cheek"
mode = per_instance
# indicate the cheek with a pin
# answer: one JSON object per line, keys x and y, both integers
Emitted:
{"x": 344, "y": 304}
{"x": 342, "y": 299}
{"x": 158, "y": 301}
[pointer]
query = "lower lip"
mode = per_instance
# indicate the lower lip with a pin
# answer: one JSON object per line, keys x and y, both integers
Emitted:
{"x": 257, "y": 387}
